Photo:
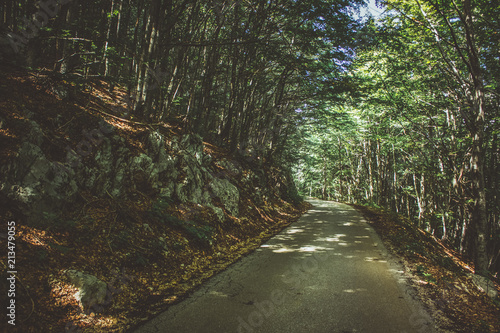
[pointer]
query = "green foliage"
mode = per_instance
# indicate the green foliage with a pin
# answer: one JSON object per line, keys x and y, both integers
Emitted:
{"x": 422, "y": 271}
{"x": 201, "y": 233}
{"x": 415, "y": 247}
{"x": 293, "y": 195}
{"x": 159, "y": 206}
{"x": 399, "y": 133}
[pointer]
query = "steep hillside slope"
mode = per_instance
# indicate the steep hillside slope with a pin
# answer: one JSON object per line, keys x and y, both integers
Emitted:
{"x": 115, "y": 219}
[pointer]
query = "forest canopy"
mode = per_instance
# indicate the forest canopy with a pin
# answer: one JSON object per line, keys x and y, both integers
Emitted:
{"x": 417, "y": 130}
{"x": 401, "y": 112}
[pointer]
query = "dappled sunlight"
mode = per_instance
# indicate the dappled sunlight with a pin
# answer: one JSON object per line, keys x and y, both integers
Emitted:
{"x": 284, "y": 250}
{"x": 294, "y": 230}
{"x": 357, "y": 290}
{"x": 35, "y": 236}
{"x": 335, "y": 238}
{"x": 312, "y": 211}
{"x": 218, "y": 294}
{"x": 312, "y": 248}
{"x": 373, "y": 259}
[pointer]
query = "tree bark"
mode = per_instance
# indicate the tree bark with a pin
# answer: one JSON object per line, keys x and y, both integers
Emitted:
{"x": 479, "y": 217}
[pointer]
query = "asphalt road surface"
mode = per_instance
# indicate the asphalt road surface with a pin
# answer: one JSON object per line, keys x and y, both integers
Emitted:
{"x": 328, "y": 272}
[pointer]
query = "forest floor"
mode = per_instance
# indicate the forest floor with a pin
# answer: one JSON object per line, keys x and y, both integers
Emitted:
{"x": 105, "y": 236}
{"x": 438, "y": 274}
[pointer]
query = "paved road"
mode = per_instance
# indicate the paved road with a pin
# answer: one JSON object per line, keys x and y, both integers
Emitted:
{"x": 326, "y": 273}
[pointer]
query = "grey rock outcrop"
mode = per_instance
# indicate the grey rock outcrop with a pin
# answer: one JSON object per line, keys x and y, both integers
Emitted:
{"x": 175, "y": 168}
{"x": 91, "y": 291}
{"x": 484, "y": 285}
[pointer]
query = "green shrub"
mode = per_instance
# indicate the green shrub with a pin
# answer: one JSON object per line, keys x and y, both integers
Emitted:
{"x": 422, "y": 271}
{"x": 201, "y": 233}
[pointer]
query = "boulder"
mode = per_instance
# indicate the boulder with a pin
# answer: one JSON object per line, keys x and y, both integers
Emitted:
{"x": 190, "y": 188}
{"x": 484, "y": 285}
{"x": 36, "y": 183}
{"x": 91, "y": 290}
{"x": 232, "y": 168}
{"x": 227, "y": 193}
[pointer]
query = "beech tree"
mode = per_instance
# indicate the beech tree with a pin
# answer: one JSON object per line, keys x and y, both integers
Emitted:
{"x": 423, "y": 100}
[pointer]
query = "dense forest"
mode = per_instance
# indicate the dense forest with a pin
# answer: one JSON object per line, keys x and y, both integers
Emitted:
{"x": 400, "y": 111}
{"x": 234, "y": 71}
{"x": 418, "y": 131}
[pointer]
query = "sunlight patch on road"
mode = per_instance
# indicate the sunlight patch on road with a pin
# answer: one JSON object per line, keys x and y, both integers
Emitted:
{"x": 294, "y": 230}
{"x": 374, "y": 259}
{"x": 311, "y": 248}
{"x": 218, "y": 293}
{"x": 284, "y": 249}
{"x": 351, "y": 291}
{"x": 330, "y": 239}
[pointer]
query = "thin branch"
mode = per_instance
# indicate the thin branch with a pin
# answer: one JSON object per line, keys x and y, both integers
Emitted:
{"x": 438, "y": 39}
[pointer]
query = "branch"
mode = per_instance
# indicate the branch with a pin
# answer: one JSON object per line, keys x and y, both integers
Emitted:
{"x": 75, "y": 54}
{"x": 124, "y": 120}
{"x": 438, "y": 39}
{"x": 70, "y": 38}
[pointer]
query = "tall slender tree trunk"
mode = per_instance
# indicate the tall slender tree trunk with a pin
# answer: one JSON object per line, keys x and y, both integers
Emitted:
{"x": 108, "y": 36}
{"x": 480, "y": 214}
{"x": 66, "y": 44}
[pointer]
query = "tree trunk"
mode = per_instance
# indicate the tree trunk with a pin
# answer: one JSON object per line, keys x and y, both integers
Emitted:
{"x": 479, "y": 217}
{"x": 108, "y": 36}
{"x": 66, "y": 44}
